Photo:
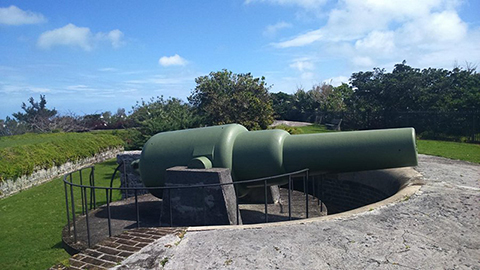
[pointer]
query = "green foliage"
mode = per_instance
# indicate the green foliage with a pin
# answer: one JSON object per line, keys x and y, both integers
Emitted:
{"x": 438, "y": 103}
{"x": 311, "y": 105}
{"x": 282, "y": 105}
{"x": 22, "y": 154}
{"x": 132, "y": 137}
{"x": 224, "y": 97}
{"x": 443, "y": 97}
{"x": 36, "y": 115}
{"x": 159, "y": 115}
{"x": 31, "y": 222}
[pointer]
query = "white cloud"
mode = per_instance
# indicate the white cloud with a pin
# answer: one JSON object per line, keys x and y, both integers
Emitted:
{"x": 39, "y": 90}
{"x": 301, "y": 3}
{"x": 115, "y": 36}
{"x": 271, "y": 30}
{"x": 336, "y": 81}
{"x": 175, "y": 60}
{"x": 352, "y": 20}
{"x": 374, "y": 33}
{"x": 302, "y": 65}
{"x": 78, "y": 87}
{"x": 108, "y": 69}
{"x": 307, "y": 75}
{"x": 69, "y": 35}
{"x": 12, "y": 15}
{"x": 363, "y": 61}
{"x": 443, "y": 27}
{"x": 72, "y": 35}
{"x": 301, "y": 40}
{"x": 377, "y": 42}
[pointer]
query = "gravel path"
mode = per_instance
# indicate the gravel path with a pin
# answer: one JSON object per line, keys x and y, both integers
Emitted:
{"x": 436, "y": 228}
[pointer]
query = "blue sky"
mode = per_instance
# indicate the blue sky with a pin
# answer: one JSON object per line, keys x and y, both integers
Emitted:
{"x": 95, "y": 56}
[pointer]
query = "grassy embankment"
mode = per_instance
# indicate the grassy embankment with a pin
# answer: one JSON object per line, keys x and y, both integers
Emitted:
{"x": 22, "y": 154}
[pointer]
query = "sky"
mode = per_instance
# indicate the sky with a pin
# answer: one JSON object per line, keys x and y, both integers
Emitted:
{"x": 96, "y": 56}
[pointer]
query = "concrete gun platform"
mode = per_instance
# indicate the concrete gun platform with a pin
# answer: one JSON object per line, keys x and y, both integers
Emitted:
{"x": 436, "y": 227}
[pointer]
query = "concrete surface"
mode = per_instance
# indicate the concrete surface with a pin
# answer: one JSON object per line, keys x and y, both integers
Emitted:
{"x": 438, "y": 227}
{"x": 290, "y": 123}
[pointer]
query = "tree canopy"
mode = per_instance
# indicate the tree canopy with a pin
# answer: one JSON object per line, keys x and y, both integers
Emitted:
{"x": 224, "y": 97}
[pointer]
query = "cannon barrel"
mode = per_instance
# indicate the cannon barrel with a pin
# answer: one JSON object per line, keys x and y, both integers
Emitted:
{"x": 255, "y": 154}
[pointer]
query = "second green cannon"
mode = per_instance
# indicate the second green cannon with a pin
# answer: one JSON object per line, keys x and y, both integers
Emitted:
{"x": 256, "y": 154}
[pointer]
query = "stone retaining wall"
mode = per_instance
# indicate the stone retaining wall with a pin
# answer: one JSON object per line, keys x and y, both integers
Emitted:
{"x": 10, "y": 187}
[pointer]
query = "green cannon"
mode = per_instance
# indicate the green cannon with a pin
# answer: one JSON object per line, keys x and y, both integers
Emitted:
{"x": 256, "y": 154}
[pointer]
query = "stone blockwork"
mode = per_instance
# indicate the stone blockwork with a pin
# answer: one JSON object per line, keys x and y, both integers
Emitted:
{"x": 113, "y": 250}
{"x": 128, "y": 177}
{"x": 10, "y": 186}
{"x": 215, "y": 205}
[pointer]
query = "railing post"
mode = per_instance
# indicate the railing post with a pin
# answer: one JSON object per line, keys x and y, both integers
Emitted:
{"x": 170, "y": 207}
{"x": 86, "y": 215}
{"x": 306, "y": 194}
{"x": 236, "y": 202}
{"x": 93, "y": 198}
{"x": 320, "y": 198}
{"x": 81, "y": 191}
{"x": 109, "y": 215}
{"x": 266, "y": 199}
{"x": 73, "y": 212}
{"x": 66, "y": 204}
{"x": 137, "y": 209}
{"x": 290, "y": 197}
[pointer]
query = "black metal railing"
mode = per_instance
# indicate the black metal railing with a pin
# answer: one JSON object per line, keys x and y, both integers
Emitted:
{"x": 89, "y": 200}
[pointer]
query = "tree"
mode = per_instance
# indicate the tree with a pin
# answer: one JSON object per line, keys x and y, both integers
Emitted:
{"x": 36, "y": 115}
{"x": 11, "y": 126}
{"x": 282, "y": 104}
{"x": 224, "y": 97}
{"x": 159, "y": 115}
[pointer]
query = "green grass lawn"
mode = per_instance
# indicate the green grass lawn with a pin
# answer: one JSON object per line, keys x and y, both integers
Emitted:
{"x": 31, "y": 222}
{"x": 453, "y": 150}
{"x": 314, "y": 129}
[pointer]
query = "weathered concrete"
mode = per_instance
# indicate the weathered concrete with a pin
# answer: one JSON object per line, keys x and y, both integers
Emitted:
{"x": 436, "y": 228}
{"x": 215, "y": 205}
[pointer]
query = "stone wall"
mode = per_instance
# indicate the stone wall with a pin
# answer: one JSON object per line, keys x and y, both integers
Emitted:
{"x": 10, "y": 187}
{"x": 128, "y": 177}
{"x": 346, "y": 191}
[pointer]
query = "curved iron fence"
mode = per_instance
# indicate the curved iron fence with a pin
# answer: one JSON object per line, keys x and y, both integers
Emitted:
{"x": 89, "y": 191}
